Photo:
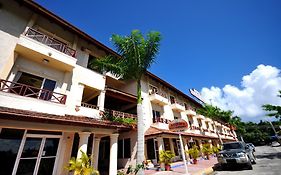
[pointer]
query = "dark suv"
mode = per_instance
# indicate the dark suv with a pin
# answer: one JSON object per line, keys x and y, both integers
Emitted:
{"x": 234, "y": 153}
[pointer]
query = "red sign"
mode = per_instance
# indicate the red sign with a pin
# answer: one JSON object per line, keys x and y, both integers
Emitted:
{"x": 178, "y": 124}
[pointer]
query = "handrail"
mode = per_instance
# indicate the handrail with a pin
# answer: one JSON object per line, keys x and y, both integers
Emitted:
{"x": 86, "y": 105}
{"x": 30, "y": 91}
{"x": 120, "y": 114}
{"x": 51, "y": 42}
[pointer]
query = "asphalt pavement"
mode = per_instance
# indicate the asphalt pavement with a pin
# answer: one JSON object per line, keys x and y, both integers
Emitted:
{"x": 268, "y": 163}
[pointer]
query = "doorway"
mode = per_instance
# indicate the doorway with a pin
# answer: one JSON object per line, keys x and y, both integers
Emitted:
{"x": 37, "y": 155}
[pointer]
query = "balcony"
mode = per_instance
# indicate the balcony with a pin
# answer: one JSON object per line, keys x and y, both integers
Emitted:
{"x": 190, "y": 112}
{"x": 51, "y": 42}
{"x": 29, "y": 91}
{"x": 120, "y": 114}
{"x": 158, "y": 98}
{"x": 41, "y": 48}
{"x": 179, "y": 107}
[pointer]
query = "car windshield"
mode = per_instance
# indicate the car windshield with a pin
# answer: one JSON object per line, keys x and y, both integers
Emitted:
{"x": 232, "y": 146}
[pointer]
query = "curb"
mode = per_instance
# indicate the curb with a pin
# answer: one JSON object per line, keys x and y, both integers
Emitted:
{"x": 206, "y": 171}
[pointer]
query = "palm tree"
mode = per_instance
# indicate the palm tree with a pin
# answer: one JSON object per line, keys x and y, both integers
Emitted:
{"x": 276, "y": 110}
{"x": 211, "y": 112}
{"x": 137, "y": 53}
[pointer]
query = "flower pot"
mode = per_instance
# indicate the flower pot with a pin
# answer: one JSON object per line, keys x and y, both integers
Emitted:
{"x": 168, "y": 167}
{"x": 195, "y": 161}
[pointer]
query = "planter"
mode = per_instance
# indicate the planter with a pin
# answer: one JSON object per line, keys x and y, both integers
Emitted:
{"x": 195, "y": 161}
{"x": 168, "y": 167}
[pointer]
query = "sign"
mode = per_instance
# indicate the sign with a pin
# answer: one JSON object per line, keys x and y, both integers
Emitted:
{"x": 178, "y": 124}
{"x": 196, "y": 94}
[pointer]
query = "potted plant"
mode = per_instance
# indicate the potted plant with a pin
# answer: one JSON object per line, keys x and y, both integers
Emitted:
{"x": 194, "y": 153}
{"x": 166, "y": 158}
{"x": 216, "y": 150}
{"x": 207, "y": 150}
{"x": 81, "y": 166}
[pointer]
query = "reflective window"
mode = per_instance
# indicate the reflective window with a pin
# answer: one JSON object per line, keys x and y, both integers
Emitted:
{"x": 10, "y": 140}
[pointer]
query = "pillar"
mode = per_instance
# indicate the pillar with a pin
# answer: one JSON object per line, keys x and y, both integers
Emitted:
{"x": 160, "y": 142}
{"x": 101, "y": 100}
{"x": 83, "y": 143}
{"x": 113, "y": 154}
{"x": 95, "y": 152}
{"x": 185, "y": 145}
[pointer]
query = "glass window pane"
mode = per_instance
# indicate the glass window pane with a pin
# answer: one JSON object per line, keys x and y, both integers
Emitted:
{"x": 127, "y": 148}
{"x": 31, "y": 147}
{"x": 51, "y": 147}
{"x": 26, "y": 167}
{"x": 10, "y": 140}
{"x": 46, "y": 166}
{"x": 120, "y": 149}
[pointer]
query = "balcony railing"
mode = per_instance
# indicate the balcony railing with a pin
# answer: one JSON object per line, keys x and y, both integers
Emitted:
{"x": 151, "y": 91}
{"x": 51, "y": 42}
{"x": 161, "y": 120}
{"x": 30, "y": 91}
{"x": 120, "y": 114}
{"x": 86, "y": 105}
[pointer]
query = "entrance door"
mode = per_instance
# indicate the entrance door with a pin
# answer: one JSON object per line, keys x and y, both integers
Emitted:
{"x": 37, "y": 155}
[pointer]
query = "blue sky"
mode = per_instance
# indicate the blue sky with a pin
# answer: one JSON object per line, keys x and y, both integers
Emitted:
{"x": 205, "y": 43}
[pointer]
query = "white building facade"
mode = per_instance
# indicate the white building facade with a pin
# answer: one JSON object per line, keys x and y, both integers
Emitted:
{"x": 52, "y": 102}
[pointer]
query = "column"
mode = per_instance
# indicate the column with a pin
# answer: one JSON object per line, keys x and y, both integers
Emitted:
{"x": 185, "y": 145}
{"x": 160, "y": 144}
{"x": 172, "y": 145}
{"x": 101, "y": 100}
{"x": 95, "y": 152}
{"x": 113, "y": 154}
{"x": 210, "y": 142}
{"x": 83, "y": 143}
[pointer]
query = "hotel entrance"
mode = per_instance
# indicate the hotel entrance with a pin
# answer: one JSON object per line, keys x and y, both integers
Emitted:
{"x": 36, "y": 154}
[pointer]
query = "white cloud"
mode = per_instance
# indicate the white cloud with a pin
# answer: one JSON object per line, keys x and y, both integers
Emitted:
{"x": 259, "y": 87}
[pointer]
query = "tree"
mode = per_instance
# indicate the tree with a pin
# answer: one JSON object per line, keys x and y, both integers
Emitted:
{"x": 137, "y": 53}
{"x": 211, "y": 112}
{"x": 276, "y": 110}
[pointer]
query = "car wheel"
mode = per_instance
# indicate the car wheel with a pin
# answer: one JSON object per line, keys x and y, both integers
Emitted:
{"x": 250, "y": 167}
{"x": 254, "y": 159}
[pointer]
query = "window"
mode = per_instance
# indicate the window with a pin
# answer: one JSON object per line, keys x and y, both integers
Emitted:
{"x": 167, "y": 144}
{"x": 34, "y": 83}
{"x": 185, "y": 106}
{"x": 172, "y": 99}
{"x": 199, "y": 122}
{"x": 190, "y": 120}
{"x": 156, "y": 116}
{"x": 124, "y": 148}
{"x": 207, "y": 125}
{"x": 152, "y": 89}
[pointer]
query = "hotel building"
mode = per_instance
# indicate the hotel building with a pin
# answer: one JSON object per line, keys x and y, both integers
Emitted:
{"x": 52, "y": 104}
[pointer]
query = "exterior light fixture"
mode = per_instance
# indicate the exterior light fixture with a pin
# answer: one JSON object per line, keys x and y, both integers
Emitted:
{"x": 45, "y": 61}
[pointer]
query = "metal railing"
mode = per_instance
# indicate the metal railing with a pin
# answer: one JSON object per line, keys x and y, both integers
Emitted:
{"x": 151, "y": 92}
{"x": 120, "y": 114}
{"x": 30, "y": 91}
{"x": 51, "y": 42}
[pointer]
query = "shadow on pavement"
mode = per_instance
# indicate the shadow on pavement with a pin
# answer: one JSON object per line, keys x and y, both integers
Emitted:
{"x": 269, "y": 156}
{"x": 218, "y": 167}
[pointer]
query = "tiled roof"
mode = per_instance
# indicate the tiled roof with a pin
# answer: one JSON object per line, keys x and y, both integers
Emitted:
{"x": 24, "y": 115}
{"x": 152, "y": 131}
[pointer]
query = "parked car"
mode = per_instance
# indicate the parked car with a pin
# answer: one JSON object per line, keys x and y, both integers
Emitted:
{"x": 236, "y": 153}
{"x": 252, "y": 146}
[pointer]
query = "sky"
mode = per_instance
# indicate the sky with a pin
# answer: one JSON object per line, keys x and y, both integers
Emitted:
{"x": 227, "y": 50}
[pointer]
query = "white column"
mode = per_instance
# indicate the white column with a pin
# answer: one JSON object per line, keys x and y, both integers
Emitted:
{"x": 83, "y": 143}
{"x": 160, "y": 143}
{"x": 113, "y": 154}
{"x": 185, "y": 148}
{"x": 183, "y": 154}
{"x": 101, "y": 100}
{"x": 95, "y": 152}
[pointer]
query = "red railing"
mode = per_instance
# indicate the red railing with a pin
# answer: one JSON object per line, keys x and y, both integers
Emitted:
{"x": 120, "y": 114}
{"x": 30, "y": 91}
{"x": 51, "y": 42}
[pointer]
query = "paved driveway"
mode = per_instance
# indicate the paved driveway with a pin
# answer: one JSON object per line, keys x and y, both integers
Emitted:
{"x": 268, "y": 163}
